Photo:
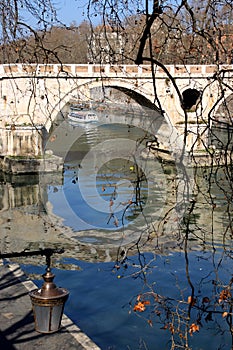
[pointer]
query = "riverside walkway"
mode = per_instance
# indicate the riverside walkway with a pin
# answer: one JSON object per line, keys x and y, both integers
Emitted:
{"x": 17, "y": 323}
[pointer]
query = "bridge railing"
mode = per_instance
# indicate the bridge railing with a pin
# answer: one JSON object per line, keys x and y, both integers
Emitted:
{"x": 91, "y": 70}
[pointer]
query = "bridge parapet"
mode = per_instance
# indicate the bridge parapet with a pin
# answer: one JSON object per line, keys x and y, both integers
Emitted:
{"x": 34, "y": 95}
{"x": 142, "y": 71}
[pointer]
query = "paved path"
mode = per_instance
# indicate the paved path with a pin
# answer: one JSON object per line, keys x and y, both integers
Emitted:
{"x": 17, "y": 323}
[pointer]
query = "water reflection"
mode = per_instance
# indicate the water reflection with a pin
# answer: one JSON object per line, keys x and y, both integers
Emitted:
{"x": 177, "y": 292}
{"x": 105, "y": 199}
{"x": 184, "y": 286}
{"x": 104, "y": 185}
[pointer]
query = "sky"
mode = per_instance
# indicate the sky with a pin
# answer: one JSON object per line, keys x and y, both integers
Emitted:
{"x": 71, "y": 10}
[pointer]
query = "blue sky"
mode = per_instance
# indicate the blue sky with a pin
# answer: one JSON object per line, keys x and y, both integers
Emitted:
{"x": 71, "y": 10}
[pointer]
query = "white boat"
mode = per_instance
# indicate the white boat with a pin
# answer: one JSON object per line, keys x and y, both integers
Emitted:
{"x": 82, "y": 116}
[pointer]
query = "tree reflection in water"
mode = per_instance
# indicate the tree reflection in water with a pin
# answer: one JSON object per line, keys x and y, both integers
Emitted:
{"x": 183, "y": 261}
{"x": 196, "y": 302}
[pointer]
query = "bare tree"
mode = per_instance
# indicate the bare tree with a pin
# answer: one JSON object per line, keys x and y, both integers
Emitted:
{"x": 17, "y": 23}
{"x": 156, "y": 33}
{"x": 183, "y": 32}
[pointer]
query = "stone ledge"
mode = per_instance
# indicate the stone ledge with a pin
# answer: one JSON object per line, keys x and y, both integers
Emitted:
{"x": 17, "y": 328}
{"x": 26, "y": 165}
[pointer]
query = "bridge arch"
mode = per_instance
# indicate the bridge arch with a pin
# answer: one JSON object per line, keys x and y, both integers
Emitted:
{"x": 36, "y": 96}
{"x": 165, "y": 130}
{"x": 142, "y": 93}
{"x": 191, "y": 97}
{"x": 194, "y": 97}
{"x": 143, "y": 96}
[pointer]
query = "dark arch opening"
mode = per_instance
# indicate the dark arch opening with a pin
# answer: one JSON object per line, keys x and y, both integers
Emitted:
{"x": 140, "y": 99}
{"x": 190, "y": 98}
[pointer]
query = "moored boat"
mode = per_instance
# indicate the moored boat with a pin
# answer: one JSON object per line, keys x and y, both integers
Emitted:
{"x": 82, "y": 116}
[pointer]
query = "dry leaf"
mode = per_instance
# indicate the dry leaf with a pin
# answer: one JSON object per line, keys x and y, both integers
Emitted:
{"x": 139, "y": 307}
{"x": 193, "y": 328}
{"x": 191, "y": 300}
{"x": 224, "y": 295}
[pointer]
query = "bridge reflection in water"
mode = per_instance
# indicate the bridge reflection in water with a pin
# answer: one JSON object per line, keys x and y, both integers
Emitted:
{"x": 56, "y": 211}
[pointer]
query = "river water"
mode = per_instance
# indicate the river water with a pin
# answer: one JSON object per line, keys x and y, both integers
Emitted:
{"x": 148, "y": 258}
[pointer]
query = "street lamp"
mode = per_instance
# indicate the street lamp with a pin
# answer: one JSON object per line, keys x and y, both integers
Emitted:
{"x": 48, "y": 303}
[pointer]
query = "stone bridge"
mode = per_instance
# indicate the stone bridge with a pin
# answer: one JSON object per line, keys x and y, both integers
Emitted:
{"x": 34, "y": 98}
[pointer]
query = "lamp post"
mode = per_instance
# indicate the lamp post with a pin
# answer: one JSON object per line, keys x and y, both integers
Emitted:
{"x": 48, "y": 303}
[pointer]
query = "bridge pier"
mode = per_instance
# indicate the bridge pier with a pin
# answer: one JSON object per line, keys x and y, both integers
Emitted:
{"x": 22, "y": 141}
{"x": 22, "y": 151}
{"x": 197, "y": 137}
